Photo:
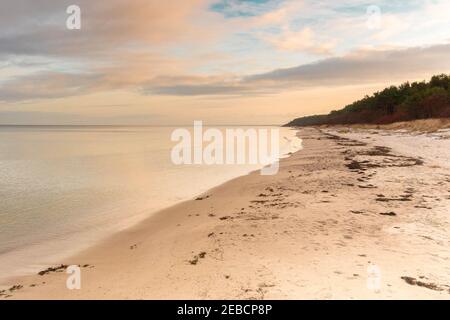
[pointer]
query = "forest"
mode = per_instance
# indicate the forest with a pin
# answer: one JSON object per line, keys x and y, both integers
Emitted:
{"x": 409, "y": 101}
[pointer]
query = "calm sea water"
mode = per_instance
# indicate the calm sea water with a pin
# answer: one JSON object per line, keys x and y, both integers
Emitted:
{"x": 63, "y": 188}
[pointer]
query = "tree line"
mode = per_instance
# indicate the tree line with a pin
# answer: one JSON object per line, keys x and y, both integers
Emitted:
{"x": 409, "y": 101}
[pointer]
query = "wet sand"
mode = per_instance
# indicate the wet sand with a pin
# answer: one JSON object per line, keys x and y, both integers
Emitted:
{"x": 344, "y": 206}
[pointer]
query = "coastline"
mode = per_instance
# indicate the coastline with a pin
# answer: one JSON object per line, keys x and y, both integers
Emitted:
{"x": 279, "y": 237}
{"x": 137, "y": 196}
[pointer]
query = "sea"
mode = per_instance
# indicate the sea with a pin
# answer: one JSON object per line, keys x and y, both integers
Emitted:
{"x": 64, "y": 188}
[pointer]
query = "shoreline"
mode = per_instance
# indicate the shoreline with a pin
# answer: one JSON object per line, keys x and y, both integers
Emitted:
{"x": 278, "y": 237}
{"x": 27, "y": 271}
{"x": 156, "y": 222}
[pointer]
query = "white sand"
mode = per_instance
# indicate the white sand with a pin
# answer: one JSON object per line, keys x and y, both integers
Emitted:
{"x": 433, "y": 147}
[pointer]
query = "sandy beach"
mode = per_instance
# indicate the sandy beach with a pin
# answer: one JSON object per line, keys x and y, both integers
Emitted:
{"x": 352, "y": 201}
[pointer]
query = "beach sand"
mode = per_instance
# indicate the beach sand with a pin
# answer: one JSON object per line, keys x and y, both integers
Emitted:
{"x": 342, "y": 214}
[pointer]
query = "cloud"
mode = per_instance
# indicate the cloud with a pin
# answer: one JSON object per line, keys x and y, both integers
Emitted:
{"x": 40, "y": 26}
{"x": 363, "y": 66}
{"x": 359, "y": 67}
{"x": 195, "y": 86}
{"x": 48, "y": 85}
{"x": 162, "y": 47}
{"x": 245, "y": 8}
{"x": 303, "y": 41}
{"x": 64, "y": 118}
{"x": 121, "y": 44}
{"x": 196, "y": 90}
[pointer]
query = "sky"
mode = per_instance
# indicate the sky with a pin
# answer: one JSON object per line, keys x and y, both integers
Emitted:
{"x": 172, "y": 62}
